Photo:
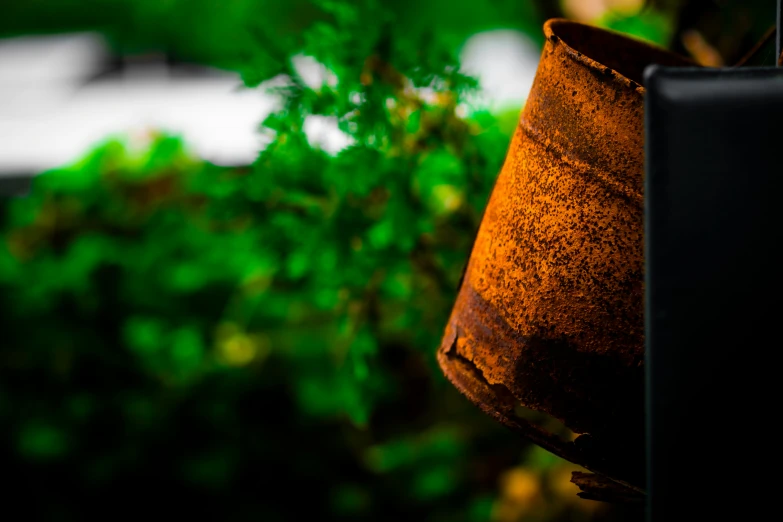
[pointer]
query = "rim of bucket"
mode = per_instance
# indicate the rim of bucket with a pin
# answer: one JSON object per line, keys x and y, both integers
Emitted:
{"x": 557, "y": 29}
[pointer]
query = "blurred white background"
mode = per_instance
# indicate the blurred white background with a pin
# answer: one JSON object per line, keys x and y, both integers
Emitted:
{"x": 58, "y": 98}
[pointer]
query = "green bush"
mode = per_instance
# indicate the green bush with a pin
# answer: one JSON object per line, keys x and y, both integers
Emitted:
{"x": 268, "y": 329}
{"x": 157, "y": 301}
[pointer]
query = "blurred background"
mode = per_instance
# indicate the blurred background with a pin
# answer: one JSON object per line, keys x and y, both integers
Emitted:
{"x": 232, "y": 233}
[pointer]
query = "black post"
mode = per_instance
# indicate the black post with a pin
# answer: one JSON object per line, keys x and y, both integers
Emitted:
{"x": 714, "y": 290}
{"x": 778, "y": 35}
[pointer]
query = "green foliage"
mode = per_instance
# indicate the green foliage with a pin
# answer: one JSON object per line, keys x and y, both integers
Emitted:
{"x": 650, "y": 25}
{"x": 163, "y": 296}
{"x": 257, "y": 36}
{"x": 172, "y": 275}
{"x": 39, "y": 440}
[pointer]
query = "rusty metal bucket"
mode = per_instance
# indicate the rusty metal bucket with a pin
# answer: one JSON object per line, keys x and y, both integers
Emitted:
{"x": 549, "y": 315}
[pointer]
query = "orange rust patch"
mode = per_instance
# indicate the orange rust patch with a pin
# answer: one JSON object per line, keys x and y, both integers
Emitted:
{"x": 551, "y": 306}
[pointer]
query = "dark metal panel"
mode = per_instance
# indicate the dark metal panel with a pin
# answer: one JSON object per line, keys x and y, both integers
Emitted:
{"x": 714, "y": 252}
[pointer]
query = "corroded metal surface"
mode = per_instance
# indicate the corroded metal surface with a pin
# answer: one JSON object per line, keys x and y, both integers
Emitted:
{"x": 550, "y": 311}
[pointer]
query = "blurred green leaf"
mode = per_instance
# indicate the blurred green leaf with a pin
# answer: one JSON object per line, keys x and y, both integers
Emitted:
{"x": 649, "y": 25}
{"x": 434, "y": 482}
{"x": 144, "y": 334}
{"x": 540, "y": 458}
{"x": 350, "y": 499}
{"x": 41, "y": 440}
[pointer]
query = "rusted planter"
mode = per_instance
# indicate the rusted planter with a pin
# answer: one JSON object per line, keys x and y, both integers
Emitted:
{"x": 549, "y": 315}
